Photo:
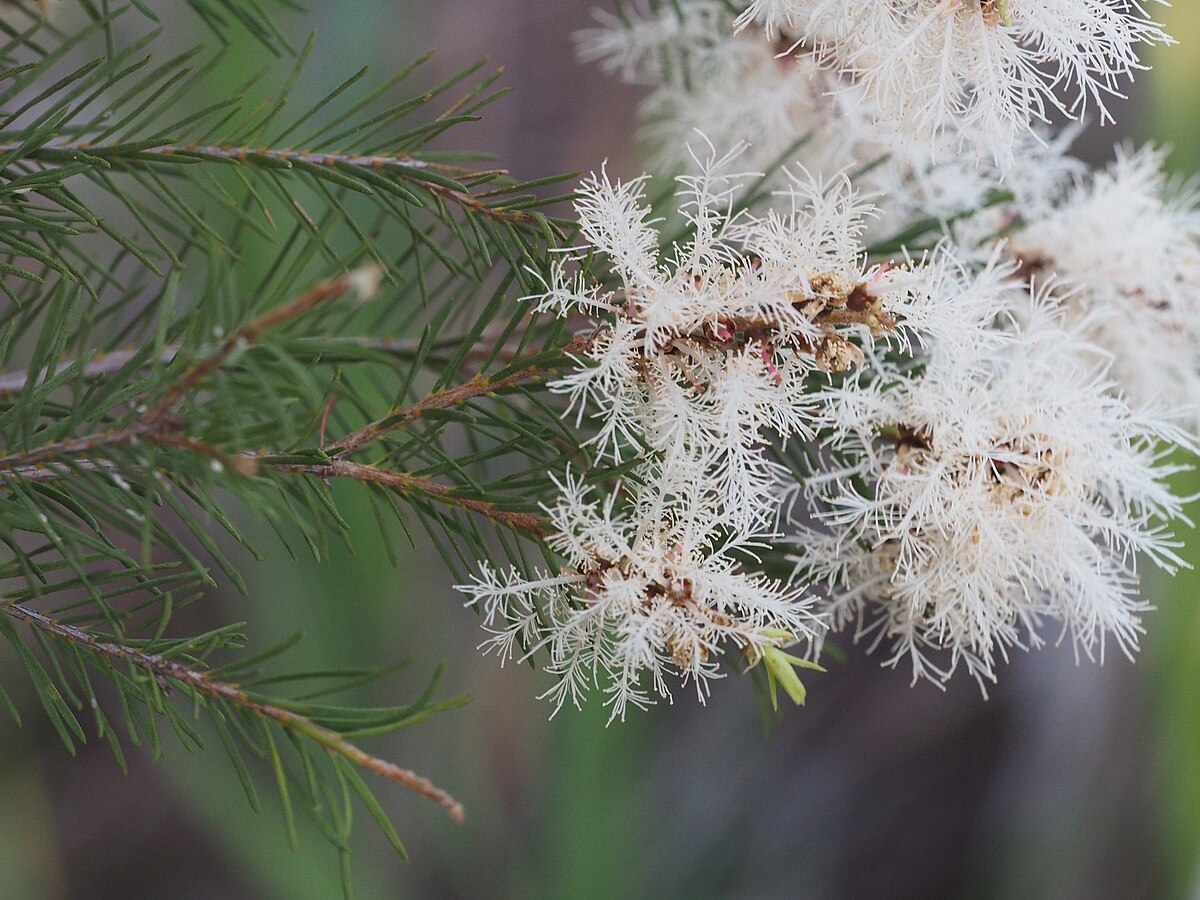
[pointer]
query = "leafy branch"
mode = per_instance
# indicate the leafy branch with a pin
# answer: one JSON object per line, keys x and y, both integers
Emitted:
{"x": 212, "y": 307}
{"x": 363, "y": 174}
{"x": 159, "y": 425}
{"x": 156, "y": 425}
{"x": 200, "y": 683}
{"x": 128, "y": 128}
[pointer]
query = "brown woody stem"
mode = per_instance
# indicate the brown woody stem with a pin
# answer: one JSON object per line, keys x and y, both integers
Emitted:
{"x": 404, "y": 483}
{"x": 402, "y": 168}
{"x": 199, "y": 681}
{"x": 250, "y": 334}
{"x": 154, "y": 425}
{"x": 444, "y": 399}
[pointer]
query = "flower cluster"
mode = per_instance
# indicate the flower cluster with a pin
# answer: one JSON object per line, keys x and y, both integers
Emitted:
{"x": 980, "y": 367}
{"x": 652, "y": 586}
{"x": 996, "y": 486}
{"x": 1124, "y": 247}
{"x": 790, "y": 104}
{"x": 984, "y": 70}
{"x": 697, "y": 361}
{"x": 706, "y": 351}
{"x": 780, "y": 102}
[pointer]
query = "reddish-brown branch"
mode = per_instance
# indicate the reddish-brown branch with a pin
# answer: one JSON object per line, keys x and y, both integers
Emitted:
{"x": 394, "y": 166}
{"x": 858, "y": 307}
{"x": 407, "y": 484}
{"x": 454, "y": 396}
{"x": 109, "y": 363}
{"x": 15, "y": 463}
{"x": 250, "y": 333}
{"x": 55, "y": 472}
{"x": 154, "y": 426}
{"x": 200, "y": 682}
{"x": 158, "y": 425}
{"x": 248, "y": 463}
{"x": 99, "y": 365}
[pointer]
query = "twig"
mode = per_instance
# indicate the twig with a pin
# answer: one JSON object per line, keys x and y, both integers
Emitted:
{"x": 363, "y": 280}
{"x": 98, "y": 366}
{"x": 114, "y": 360}
{"x": 23, "y": 460}
{"x": 199, "y": 681}
{"x": 156, "y": 426}
{"x": 444, "y": 399}
{"x": 249, "y": 463}
{"x": 404, "y": 483}
{"x": 55, "y": 471}
{"x": 153, "y": 426}
{"x": 402, "y": 168}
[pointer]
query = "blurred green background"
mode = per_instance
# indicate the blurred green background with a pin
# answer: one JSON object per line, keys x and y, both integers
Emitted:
{"x": 1071, "y": 781}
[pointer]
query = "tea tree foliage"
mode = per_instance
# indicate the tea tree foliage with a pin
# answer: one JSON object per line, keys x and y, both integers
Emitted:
{"x": 211, "y": 312}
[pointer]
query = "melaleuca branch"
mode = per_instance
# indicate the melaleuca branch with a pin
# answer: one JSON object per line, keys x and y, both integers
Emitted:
{"x": 480, "y": 385}
{"x": 104, "y": 364}
{"x": 160, "y": 160}
{"x": 197, "y": 682}
{"x": 403, "y": 483}
{"x": 362, "y": 173}
{"x": 155, "y": 425}
{"x": 146, "y": 389}
{"x": 249, "y": 463}
{"x": 364, "y": 281}
{"x": 159, "y": 426}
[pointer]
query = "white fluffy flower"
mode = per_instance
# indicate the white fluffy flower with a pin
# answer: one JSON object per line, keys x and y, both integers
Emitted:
{"x": 651, "y": 45}
{"x": 705, "y": 353}
{"x": 792, "y": 108}
{"x": 971, "y": 200}
{"x": 1125, "y": 249}
{"x": 649, "y": 590}
{"x": 689, "y": 58}
{"x": 986, "y": 492}
{"x": 784, "y": 108}
{"x": 989, "y": 68}
{"x": 700, "y": 356}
